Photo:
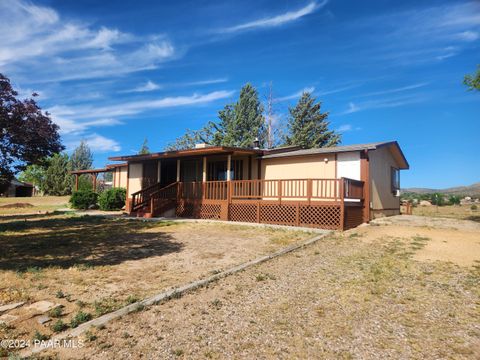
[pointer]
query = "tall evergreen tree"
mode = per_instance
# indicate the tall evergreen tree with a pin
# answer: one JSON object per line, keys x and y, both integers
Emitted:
{"x": 238, "y": 125}
{"x": 249, "y": 122}
{"x": 144, "y": 149}
{"x": 308, "y": 126}
{"x": 58, "y": 180}
{"x": 82, "y": 158}
{"x": 473, "y": 81}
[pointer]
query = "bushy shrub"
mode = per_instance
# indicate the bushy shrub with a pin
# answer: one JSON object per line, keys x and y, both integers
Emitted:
{"x": 112, "y": 199}
{"x": 454, "y": 200}
{"x": 474, "y": 207}
{"x": 82, "y": 199}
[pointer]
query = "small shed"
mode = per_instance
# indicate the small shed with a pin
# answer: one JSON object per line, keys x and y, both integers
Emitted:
{"x": 19, "y": 189}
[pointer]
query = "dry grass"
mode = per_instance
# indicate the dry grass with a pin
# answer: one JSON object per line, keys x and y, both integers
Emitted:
{"x": 95, "y": 265}
{"x": 361, "y": 295}
{"x": 40, "y": 204}
{"x": 463, "y": 212}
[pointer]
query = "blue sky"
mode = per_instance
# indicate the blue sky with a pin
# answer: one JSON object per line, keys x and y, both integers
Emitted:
{"x": 113, "y": 73}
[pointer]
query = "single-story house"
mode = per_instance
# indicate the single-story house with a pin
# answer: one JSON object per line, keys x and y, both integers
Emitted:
{"x": 19, "y": 188}
{"x": 334, "y": 188}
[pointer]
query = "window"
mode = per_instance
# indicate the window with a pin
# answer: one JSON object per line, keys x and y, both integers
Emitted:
{"x": 395, "y": 179}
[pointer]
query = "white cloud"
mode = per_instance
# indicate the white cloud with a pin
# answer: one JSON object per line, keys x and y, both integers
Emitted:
{"x": 295, "y": 95}
{"x": 396, "y": 90}
{"x": 382, "y": 103}
{"x": 79, "y": 118}
{"x": 352, "y": 108}
{"x": 204, "y": 82}
{"x": 468, "y": 35}
{"x": 345, "y": 128}
{"x": 148, "y": 86}
{"x": 97, "y": 143}
{"x": 33, "y": 36}
{"x": 278, "y": 20}
{"x": 69, "y": 126}
{"x": 421, "y": 34}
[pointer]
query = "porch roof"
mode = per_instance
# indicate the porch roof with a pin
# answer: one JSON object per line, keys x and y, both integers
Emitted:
{"x": 209, "y": 150}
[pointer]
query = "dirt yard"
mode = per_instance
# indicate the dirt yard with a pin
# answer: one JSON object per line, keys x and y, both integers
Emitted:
{"x": 31, "y": 205}
{"x": 72, "y": 268}
{"x": 389, "y": 290}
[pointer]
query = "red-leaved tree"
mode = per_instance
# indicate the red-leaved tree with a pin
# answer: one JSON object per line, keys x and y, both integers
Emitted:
{"x": 27, "y": 135}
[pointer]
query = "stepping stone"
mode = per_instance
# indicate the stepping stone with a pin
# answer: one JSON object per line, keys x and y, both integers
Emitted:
{"x": 43, "y": 319}
{"x": 11, "y": 306}
{"x": 7, "y": 319}
{"x": 41, "y": 306}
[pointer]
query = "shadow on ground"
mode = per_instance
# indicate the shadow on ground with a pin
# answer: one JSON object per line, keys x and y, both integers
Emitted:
{"x": 81, "y": 241}
{"x": 474, "y": 218}
{"x": 7, "y": 217}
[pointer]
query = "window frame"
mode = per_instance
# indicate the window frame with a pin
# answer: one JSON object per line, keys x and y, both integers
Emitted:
{"x": 394, "y": 179}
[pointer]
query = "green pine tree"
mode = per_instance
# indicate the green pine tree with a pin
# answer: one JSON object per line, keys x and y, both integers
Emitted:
{"x": 473, "y": 81}
{"x": 58, "y": 180}
{"x": 308, "y": 126}
{"x": 82, "y": 157}
{"x": 238, "y": 125}
{"x": 249, "y": 122}
{"x": 144, "y": 149}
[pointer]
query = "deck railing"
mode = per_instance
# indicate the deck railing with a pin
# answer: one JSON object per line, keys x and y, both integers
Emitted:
{"x": 286, "y": 189}
{"x": 343, "y": 189}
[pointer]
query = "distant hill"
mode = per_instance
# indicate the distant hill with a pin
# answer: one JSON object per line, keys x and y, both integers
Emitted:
{"x": 472, "y": 190}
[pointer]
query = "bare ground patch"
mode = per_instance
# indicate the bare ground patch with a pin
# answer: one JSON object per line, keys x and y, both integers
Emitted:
{"x": 363, "y": 294}
{"x": 88, "y": 266}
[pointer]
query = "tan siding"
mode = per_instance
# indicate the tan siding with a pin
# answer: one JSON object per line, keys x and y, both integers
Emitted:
{"x": 381, "y": 161}
{"x": 122, "y": 178}
{"x": 301, "y": 167}
{"x": 135, "y": 178}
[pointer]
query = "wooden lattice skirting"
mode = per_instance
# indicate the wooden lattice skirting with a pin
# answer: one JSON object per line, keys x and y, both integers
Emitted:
{"x": 323, "y": 216}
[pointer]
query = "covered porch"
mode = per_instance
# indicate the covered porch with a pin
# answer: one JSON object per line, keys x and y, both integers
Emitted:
{"x": 229, "y": 184}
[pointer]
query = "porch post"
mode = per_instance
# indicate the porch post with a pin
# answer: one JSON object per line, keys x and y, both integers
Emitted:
{"x": 94, "y": 182}
{"x": 204, "y": 176}
{"x": 204, "y": 171}
{"x": 229, "y": 165}
{"x": 76, "y": 182}
{"x": 159, "y": 171}
{"x": 178, "y": 170}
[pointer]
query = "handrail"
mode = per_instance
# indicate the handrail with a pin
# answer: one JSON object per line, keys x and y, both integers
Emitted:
{"x": 142, "y": 198}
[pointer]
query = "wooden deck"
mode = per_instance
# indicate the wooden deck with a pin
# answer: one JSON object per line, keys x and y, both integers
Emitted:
{"x": 323, "y": 203}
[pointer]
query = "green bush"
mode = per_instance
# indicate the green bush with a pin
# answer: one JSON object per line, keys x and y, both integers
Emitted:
{"x": 474, "y": 207}
{"x": 112, "y": 199}
{"x": 82, "y": 199}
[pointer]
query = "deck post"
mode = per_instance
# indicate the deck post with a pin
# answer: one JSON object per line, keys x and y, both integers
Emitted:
{"x": 279, "y": 191}
{"x": 76, "y": 182}
{"x": 229, "y": 166}
{"x": 309, "y": 190}
{"x": 342, "y": 205}
{"x": 94, "y": 179}
{"x": 178, "y": 170}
